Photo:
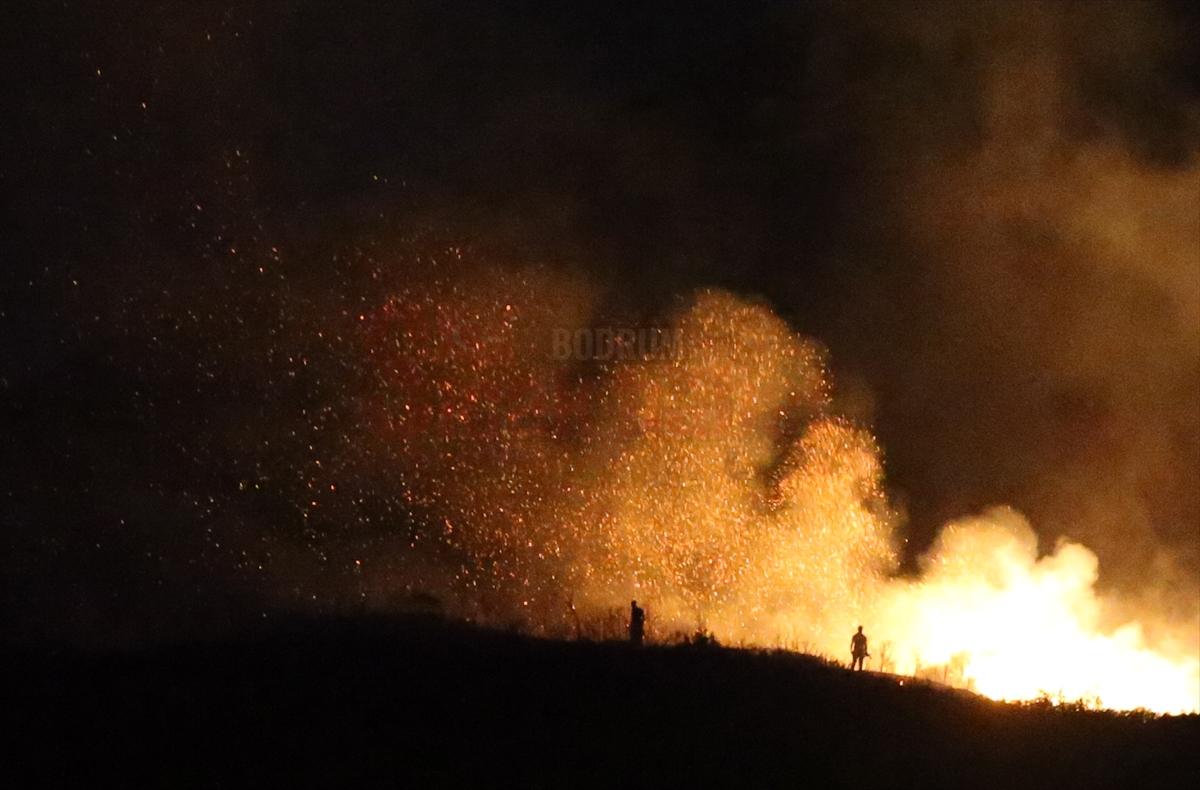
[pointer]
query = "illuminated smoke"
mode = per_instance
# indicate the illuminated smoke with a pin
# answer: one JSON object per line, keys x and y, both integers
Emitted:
{"x": 716, "y": 486}
{"x": 1014, "y": 626}
{"x": 1047, "y": 186}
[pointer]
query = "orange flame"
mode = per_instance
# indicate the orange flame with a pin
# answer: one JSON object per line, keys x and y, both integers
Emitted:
{"x": 716, "y": 486}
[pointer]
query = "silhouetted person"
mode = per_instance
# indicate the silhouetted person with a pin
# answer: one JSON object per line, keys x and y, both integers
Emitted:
{"x": 637, "y": 623}
{"x": 858, "y": 650}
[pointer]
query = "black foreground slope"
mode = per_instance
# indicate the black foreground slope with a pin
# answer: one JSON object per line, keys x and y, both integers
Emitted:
{"x": 427, "y": 704}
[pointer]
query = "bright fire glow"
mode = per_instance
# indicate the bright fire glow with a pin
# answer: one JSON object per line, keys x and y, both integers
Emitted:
{"x": 1016, "y": 627}
{"x": 717, "y": 488}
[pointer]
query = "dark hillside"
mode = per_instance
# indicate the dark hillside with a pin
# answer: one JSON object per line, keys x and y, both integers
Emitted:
{"x": 423, "y": 703}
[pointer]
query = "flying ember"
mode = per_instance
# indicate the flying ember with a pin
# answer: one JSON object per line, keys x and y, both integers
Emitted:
{"x": 717, "y": 485}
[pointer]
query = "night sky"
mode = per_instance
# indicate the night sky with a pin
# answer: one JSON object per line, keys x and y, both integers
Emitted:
{"x": 988, "y": 215}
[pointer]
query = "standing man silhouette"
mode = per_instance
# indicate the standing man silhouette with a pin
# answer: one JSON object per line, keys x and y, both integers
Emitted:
{"x": 858, "y": 650}
{"x": 637, "y": 623}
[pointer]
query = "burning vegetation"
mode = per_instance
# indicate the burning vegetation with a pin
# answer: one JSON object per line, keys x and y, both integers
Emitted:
{"x": 719, "y": 487}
